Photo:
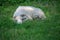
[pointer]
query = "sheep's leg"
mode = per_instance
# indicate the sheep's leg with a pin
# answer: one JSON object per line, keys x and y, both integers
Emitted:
{"x": 42, "y": 17}
{"x": 29, "y": 17}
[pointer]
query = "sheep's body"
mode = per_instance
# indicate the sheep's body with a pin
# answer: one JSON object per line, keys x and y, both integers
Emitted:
{"x": 27, "y": 12}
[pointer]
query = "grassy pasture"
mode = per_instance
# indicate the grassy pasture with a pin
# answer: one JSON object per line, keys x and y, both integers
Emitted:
{"x": 48, "y": 29}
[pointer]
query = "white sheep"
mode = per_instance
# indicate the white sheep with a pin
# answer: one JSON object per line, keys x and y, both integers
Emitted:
{"x": 24, "y": 13}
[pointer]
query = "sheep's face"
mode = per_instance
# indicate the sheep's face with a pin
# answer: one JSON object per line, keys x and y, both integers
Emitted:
{"x": 18, "y": 19}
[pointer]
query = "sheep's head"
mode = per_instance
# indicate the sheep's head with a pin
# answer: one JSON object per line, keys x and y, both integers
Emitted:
{"x": 20, "y": 19}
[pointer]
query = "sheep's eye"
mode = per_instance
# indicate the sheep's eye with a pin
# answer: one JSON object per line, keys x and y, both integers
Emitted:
{"x": 23, "y": 17}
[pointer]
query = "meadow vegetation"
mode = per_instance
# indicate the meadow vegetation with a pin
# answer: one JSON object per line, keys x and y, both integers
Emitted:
{"x": 48, "y": 29}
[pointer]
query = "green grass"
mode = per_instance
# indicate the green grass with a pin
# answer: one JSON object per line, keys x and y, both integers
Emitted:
{"x": 48, "y": 29}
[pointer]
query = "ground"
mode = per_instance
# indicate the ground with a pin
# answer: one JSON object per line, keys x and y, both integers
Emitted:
{"x": 48, "y": 29}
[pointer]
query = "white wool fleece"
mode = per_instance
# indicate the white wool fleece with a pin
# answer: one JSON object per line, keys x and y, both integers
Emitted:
{"x": 28, "y": 12}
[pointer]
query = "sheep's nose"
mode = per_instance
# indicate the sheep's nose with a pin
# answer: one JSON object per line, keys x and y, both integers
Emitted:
{"x": 19, "y": 21}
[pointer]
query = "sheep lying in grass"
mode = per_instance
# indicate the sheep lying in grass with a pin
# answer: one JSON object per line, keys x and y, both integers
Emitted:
{"x": 24, "y": 13}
